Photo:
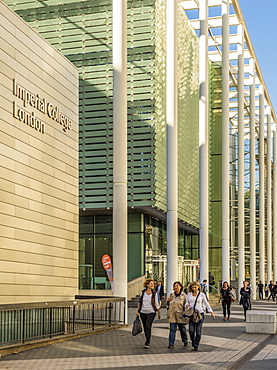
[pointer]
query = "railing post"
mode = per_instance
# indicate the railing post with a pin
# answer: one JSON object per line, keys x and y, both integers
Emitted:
{"x": 110, "y": 313}
{"x": 22, "y": 325}
{"x": 74, "y": 309}
{"x": 50, "y": 324}
{"x": 92, "y": 316}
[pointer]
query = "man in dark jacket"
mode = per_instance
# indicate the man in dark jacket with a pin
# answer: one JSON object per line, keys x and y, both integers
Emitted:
{"x": 270, "y": 287}
{"x": 261, "y": 290}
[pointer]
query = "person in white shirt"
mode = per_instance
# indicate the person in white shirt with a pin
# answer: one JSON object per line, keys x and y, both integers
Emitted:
{"x": 147, "y": 307}
{"x": 195, "y": 329}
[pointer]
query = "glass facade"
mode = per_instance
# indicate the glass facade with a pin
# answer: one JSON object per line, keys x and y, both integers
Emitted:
{"x": 156, "y": 250}
{"x": 82, "y": 31}
{"x": 215, "y": 185}
{"x": 146, "y": 249}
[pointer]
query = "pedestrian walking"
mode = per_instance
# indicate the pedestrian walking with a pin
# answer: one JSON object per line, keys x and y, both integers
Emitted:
{"x": 175, "y": 303}
{"x": 204, "y": 288}
{"x": 245, "y": 299}
{"x": 160, "y": 291}
{"x": 274, "y": 290}
{"x": 186, "y": 290}
{"x": 266, "y": 290}
{"x": 211, "y": 282}
{"x": 147, "y": 307}
{"x": 196, "y": 299}
{"x": 225, "y": 299}
{"x": 270, "y": 288}
{"x": 261, "y": 290}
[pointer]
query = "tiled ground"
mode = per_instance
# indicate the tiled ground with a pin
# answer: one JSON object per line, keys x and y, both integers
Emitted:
{"x": 224, "y": 345}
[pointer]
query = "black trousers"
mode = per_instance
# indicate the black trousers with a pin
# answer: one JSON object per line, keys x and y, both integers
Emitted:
{"x": 147, "y": 321}
{"x": 226, "y": 304}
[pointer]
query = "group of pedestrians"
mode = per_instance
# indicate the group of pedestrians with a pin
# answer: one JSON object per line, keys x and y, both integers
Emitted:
{"x": 192, "y": 299}
{"x": 177, "y": 302}
{"x": 270, "y": 290}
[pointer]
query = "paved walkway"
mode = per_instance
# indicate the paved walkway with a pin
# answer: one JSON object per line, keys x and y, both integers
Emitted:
{"x": 224, "y": 345}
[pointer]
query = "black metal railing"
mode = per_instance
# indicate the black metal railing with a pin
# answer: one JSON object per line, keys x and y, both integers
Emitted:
{"x": 22, "y": 323}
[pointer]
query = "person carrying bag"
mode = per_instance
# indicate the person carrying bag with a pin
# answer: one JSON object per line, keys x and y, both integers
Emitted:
{"x": 196, "y": 300}
{"x": 147, "y": 307}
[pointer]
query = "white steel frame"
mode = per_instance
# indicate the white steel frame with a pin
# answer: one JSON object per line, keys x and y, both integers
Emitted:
{"x": 247, "y": 100}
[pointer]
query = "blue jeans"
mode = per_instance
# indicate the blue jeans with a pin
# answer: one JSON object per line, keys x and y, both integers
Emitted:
{"x": 172, "y": 333}
{"x": 195, "y": 331}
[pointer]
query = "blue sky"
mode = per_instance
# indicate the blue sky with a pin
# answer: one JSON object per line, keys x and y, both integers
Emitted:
{"x": 261, "y": 20}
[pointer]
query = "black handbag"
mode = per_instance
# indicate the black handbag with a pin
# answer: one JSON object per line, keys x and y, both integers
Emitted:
{"x": 137, "y": 327}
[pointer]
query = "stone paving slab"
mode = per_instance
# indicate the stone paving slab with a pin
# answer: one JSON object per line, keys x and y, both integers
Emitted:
{"x": 223, "y": 345}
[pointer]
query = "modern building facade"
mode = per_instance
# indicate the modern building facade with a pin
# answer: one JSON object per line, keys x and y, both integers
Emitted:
{"x": 226, "y": 164}
{"x": 39, "y": 167}
{"x": 83, "y": 33}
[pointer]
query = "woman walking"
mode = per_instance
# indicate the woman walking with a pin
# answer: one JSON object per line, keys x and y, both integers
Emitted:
{"x": 175, "y": 303}
{"x": 245, "y": 299}
{"x": 147, "y": 307}
{"x": 225, "y": 299}
{"x": 196, "y": 299}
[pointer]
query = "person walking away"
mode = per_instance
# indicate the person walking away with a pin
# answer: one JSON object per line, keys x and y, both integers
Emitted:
{"x": 204, "y": 288}
{"x": 225, "y": 299}
{"x": 274, "y": 290}
{"x": 261, "y": 290}
{"x": 266, "y": 291}
{"x": 211, "y": 282}
{"x": 147, "y": 307}
{"x": 175, "y": 303}
{"x": 160, "y": 291}
{"x": 186, "y": 290}
{"x": 245, "y": 299}
{"x": 270, "y": 288}
{"x": 195, "y": 329}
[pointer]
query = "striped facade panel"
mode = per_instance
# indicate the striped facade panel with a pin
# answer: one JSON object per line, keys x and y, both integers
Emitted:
{"x": 82, "y": 31}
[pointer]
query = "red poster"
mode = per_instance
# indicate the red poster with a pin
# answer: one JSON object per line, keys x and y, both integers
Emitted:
{"x": 107, "y": 264}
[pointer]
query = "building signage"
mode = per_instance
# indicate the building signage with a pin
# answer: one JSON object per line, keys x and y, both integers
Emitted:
{"x": 41, "y": 105}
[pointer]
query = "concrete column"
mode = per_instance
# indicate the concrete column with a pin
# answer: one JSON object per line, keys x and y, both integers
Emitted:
{"x": 274, "y": 204}
{"x": 252, "y": 180}
{"x": 261, "y": 187}
{"x": 203, "y": 141}
{"x": 120, "y": 210}
{"x": 241, "y": 232}
{"x": 172, "y": 142}
{"x": 225, "y": 143}
{"x": 269, "y": 200}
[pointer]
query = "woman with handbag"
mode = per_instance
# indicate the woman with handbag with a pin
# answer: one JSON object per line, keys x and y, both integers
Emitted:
{"x": 147, "y": 307}
{"x": 225, "y": 299}
{"x": 175, "y": 304}
{"x": 196, "y": 301}
{"x": 245, "y": 299}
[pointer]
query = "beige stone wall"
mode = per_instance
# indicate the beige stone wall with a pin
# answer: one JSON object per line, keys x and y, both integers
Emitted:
{"x": 38, "y": 167}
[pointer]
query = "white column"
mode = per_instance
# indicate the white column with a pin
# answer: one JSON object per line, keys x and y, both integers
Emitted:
{"x": 172, "y": 142}
{"x": 274, "y": 204}
{"x": 261, "y": 188}
{"x": 241, "y": 254}
{"x": 225, "y": 143}
{"x": 252, "y": 180}
{"x": 120, "y": 210}
{"x": 268, "y": 208}
{"x": 203, "y": 141}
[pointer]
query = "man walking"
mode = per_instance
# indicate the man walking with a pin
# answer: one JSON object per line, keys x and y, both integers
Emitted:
{"x": 270, "y": 287}
{"x": 261, "y": 290}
